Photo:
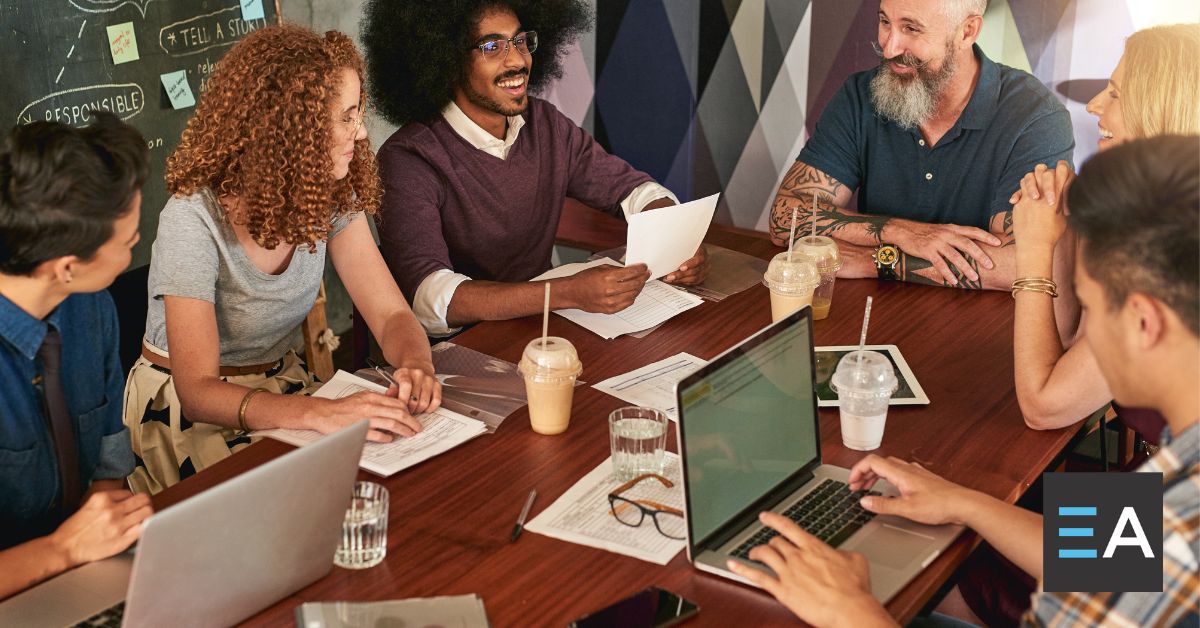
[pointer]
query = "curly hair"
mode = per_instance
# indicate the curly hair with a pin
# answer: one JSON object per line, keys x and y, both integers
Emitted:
{"x": 418, "y": 51}
{"x": 262, "y": 132}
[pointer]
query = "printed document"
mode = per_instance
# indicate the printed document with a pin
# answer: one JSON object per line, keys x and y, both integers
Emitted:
{"x": 582, "y": 515}
{"x": 653, "y": 385}
{"x": 666, "y": 237}
{"x": 656, "y": 304}
{"x": 443, "y": 431}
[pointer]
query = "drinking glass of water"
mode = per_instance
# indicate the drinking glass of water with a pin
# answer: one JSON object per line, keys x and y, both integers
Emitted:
{"x": 364, "y": 530}
{"x": 638, "y": 437}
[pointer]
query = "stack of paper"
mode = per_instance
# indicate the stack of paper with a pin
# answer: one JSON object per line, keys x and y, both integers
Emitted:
{"x": 443, "y": 430}
{"x": 656, "y": 304}
{"x": 653, "y": 385}
{"x": 582, "y": 515}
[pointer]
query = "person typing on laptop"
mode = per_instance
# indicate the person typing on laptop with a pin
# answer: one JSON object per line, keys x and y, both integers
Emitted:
{"x": 1135, "y": 211}
{"x": 70, "y": 200}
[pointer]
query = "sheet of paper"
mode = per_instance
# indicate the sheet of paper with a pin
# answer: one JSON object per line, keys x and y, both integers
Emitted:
{"x": 582, "y": 515}
{"x": 653, "y": 385}
{"x": 178, "y": 90}
{"x": 656, "y": 304}
{"x": 251, "y": 9}
{"x": 443, "y": 431}
{"x": 666, "y": 237}
{"x": 122, "y": 43}
{"x": 459, "y": 611}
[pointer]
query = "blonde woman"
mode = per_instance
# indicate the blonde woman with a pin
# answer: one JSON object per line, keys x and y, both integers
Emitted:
{"x": 1154, "y": 90}
{"x": 273, "y": 173}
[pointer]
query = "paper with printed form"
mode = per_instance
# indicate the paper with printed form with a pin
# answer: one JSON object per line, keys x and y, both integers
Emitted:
{"x": 443, "y": 431}
{"x": 582, "y": 515}
{"x": 653, "y": 385}
{"x": 666, "y": 237}
{"x": 656, "y": 304}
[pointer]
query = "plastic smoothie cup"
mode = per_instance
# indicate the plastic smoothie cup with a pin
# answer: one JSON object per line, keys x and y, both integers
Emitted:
{"x": 864, "y": 390}
{"x": 791, "y": 283}
{"x": 824, "y": 252}
{"x": 550, "y": 369}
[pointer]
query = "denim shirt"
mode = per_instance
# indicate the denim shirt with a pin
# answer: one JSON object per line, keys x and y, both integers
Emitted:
{"x": 92, "y": 381}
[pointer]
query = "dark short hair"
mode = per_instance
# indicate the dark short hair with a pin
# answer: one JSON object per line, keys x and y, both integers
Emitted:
{"x": 62, "y": 188}
{"x": 1136, "y": 209}
{"x": 418, "y": 51}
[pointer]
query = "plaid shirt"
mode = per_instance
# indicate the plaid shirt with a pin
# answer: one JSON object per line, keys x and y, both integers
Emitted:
{"x": 1179, "y": 602}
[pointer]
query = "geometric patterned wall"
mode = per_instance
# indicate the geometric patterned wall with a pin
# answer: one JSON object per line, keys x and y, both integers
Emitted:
{"x": 719, "y": 95}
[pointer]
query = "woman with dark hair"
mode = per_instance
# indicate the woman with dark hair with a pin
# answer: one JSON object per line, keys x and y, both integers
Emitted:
{"x": 273, "y": 171}
{"x": 477, "y": 176}
{"x": 70, "y": 200}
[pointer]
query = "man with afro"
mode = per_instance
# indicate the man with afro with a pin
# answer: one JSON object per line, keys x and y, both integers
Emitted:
{"x": 476, "y": 177}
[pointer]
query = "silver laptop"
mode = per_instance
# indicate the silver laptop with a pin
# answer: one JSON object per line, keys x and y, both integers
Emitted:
{"x": 218, "y": 557}
{"x": 748, "y": 433}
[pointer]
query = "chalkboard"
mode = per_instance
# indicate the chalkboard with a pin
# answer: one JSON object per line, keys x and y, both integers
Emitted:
{"x": 147, "y": 61}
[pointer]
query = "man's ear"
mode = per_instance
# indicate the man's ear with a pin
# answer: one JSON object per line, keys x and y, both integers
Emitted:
{"x": 1147, "y": 320}
{"x": 970, "y": 31}
{"x": 59, "y": 269}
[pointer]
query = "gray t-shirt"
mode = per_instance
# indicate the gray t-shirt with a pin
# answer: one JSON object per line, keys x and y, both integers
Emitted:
{"x": 197, "y": 255}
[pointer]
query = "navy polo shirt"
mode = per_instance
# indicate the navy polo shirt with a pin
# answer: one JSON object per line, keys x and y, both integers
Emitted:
{"x": 1011, "y": 124}
{"x": 93, "y": 383}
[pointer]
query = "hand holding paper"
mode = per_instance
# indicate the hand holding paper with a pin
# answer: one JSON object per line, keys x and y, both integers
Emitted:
{"x": 664, "y": 238}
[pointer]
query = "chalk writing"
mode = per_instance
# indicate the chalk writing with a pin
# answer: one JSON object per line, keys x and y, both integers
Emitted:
{"x": 205, "y": 32}
{"x": 73, "y": 106}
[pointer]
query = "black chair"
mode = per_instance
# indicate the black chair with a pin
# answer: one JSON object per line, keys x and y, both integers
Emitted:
{"x": 129, "y": 293}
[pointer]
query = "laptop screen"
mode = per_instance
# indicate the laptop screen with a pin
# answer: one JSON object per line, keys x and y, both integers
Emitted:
{"x": 750, "y": 423}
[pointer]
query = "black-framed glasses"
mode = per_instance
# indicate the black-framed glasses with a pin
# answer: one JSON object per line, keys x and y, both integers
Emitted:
{"x": 526, "y": 43}
{"x": 633, "y": 512}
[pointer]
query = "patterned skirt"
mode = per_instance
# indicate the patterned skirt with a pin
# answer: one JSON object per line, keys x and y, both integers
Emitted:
{"x": 167, "y": 446}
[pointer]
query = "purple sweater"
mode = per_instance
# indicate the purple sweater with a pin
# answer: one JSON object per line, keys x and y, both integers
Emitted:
{"x": 447, "y": 204}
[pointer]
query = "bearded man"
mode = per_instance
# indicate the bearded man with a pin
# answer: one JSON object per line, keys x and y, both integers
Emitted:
{"x": 934, "y": 141}
{"x": 475, "y": 180}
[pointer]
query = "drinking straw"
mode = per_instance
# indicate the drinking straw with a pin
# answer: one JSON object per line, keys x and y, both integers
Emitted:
{"x": 814, "y": 234}
{"x": 862, "y": 339}
{"x": 546, "y": 317}
{"x": 792, "y": 237}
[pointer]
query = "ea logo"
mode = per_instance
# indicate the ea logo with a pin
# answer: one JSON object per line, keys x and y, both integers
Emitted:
{"x": 1102, "y": 531}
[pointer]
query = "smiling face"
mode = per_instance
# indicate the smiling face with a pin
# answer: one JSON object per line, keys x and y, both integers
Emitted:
{"x": 347, "y": 126}
{"x": 496, "y": 86}
{"x": 917, "y": 49}
{"x": 1107, "y": 106}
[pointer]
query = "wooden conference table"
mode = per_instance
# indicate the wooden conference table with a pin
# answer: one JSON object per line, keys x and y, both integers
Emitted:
{"x": 450, "y": 517}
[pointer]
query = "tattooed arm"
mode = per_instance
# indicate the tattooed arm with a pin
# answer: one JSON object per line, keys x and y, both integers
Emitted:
{"x": 943, "y": 246}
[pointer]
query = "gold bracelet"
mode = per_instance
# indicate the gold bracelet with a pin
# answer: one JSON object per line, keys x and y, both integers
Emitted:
{"x": 1035, "y": 284}
{"x": 1044, "y": 290}
{"x": 242, "y": 409}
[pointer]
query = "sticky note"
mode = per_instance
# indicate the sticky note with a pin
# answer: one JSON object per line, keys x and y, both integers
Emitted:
{"x": 251, "y": 9}
{"x": 122, "y": 43}
{"x": 178, "y": 90}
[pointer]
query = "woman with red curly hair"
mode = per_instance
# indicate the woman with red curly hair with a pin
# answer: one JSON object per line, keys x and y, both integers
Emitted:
{"x": 273, "y": 171}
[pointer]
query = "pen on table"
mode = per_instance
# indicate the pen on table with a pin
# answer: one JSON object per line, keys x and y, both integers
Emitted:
{"x": 520, "y": 525}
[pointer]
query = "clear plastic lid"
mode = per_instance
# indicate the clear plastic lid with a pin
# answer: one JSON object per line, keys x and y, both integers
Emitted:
{"x": 799, "y": 275}
{"x": 557, "y": 358}
{"x": 873, "y": 377}
{"x": 823, "y": 250}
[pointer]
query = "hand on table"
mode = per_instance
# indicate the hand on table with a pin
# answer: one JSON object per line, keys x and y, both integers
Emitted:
{"x": 925, "y": 497}
{"x": 943, "y": 245}
{"x": 106, "y": 525}
{"x": 419, "y": 386}
{"x": 604, "y": 289}
{"x": 1039, "y": 210}
{"x": 388, "y": 415}
{"x": 821, "y": 585}
{"x": 691, "y": 272}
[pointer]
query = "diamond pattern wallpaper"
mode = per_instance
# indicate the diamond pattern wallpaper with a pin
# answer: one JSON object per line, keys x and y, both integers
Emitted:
{"x": 720, "y": 95}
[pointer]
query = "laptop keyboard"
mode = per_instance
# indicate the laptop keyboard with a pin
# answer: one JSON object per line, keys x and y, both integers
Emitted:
{"x": 830, "y": 513}
{"x": 109, "y": 617}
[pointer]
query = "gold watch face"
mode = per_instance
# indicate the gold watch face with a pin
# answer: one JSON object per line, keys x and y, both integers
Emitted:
{"x": 886, "y": 255}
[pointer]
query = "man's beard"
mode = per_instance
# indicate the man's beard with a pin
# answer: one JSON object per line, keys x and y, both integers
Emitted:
{"x": 486, "y": 102}
{"x": 909, "y": 101}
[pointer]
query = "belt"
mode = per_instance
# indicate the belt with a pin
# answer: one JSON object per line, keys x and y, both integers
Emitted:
{"x": 225, "y": 371}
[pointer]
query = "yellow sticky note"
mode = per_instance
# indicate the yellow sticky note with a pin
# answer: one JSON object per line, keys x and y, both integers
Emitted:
{"x": 122, "y": 43}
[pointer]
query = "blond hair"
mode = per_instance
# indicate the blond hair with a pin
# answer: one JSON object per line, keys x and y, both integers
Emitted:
{"x": 1161, "y": 90}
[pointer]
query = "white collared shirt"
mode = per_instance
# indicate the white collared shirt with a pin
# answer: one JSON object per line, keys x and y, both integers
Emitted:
{"x": 431, "y": 303}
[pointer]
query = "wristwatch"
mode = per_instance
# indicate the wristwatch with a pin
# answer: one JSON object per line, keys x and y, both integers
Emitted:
{"x": 886, "y": 258}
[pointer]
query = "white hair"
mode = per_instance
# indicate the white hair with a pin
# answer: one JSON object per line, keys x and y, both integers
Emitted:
{"x": 958, "y": 11}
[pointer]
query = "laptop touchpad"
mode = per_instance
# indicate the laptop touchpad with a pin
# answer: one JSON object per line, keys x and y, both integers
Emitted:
{"x": 892, "y": 547}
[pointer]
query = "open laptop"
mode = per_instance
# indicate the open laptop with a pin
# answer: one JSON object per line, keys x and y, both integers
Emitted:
{"x": 750, "y": 440}
{"x": 218, "y": 557}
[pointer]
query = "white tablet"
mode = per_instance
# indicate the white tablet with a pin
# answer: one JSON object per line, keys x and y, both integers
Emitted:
{"x": 909, "y": 392}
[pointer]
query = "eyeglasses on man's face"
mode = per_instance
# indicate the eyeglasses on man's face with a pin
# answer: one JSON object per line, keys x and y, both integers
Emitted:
{"x": 497, "y": 49}
{"x": 633, "y": 512}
